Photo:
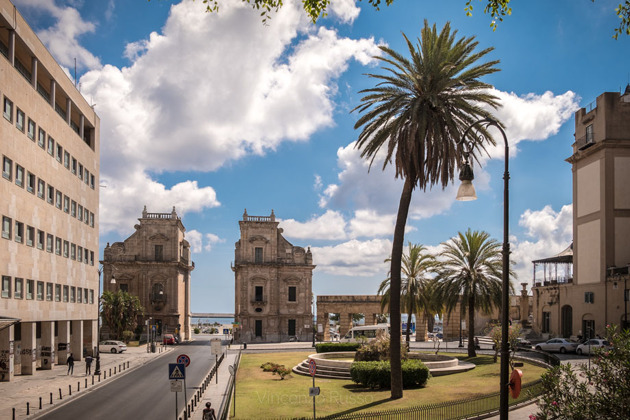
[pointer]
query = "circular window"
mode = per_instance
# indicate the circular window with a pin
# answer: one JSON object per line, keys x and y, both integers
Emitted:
{"x": 258, "y": 309}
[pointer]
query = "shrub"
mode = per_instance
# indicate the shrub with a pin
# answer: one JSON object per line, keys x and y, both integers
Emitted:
{"x": 276, "y": 369}
{"x": 196, "y": 330}
{"x": 377, "y": 374}
{"x": 127, "y": 336}
{"x": 378, "y": 349}
{"x": 331, "y": 347}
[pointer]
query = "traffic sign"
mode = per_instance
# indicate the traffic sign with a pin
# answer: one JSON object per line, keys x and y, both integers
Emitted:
{"x": 177, "y": 386}
{"x": 215, "y": 346}
{"x": 176, "y": 371}
{"x": 312, "y": 367}
{"x": 182, "y": 358}
{"x": 313, "y": 391}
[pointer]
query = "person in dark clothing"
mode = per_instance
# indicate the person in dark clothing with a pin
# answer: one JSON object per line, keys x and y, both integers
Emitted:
{"x": 208, "y": 412}
{"x": 88, "y": 365}
{"x": 70, "y": 364}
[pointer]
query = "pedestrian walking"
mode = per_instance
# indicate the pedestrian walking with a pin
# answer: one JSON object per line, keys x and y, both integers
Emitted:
{"x": 88, "y": 365}
{"x": 208, "y": 412}
{"x": 70, "y": 365}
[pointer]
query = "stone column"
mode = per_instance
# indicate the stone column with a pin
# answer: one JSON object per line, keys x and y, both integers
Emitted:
{"x": 53, "y": 92}
{"x": 345, "y": 323}
{"x": 524, "y": 303}
{"x": 34, "y": 62}
{"x": 421, "y": 328}
{"x": 76, "y": 340}
{"x": 12, "y": 47}
{"x": 89, "y": 332}
{"x": 48, "y": 345}
{"x": 28, "y": 354}
{"x": 6, "y": 354}
{"x": 63, "y": 342}
{"x": 68, "y": 111}
{"x": 325, "y": 325}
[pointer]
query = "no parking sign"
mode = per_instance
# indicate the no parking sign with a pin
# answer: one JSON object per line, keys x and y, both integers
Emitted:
{"x": 184, "y": 359}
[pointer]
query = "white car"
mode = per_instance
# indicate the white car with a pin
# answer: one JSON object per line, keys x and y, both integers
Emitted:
{"x": 557, "y": 344}
{"x": 111, "y": 346}
{"x": 591, "y": 345}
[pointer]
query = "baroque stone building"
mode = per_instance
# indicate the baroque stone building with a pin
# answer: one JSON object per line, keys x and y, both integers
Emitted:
{"x": 584, "y": 297}
{"x": 154, "y": 264}
{"x": 273, "y": 284}
{"x": 49, "y": 202}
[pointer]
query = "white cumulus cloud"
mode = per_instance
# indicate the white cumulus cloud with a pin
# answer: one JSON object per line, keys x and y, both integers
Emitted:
{"x": 354, "y": 258}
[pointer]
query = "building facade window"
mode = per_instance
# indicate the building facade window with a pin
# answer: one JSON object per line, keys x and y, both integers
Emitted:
{"x": 41, "y": 138}
{"x": 30, "y": 182}
{"x": 91, "y": 296}
{"x": 6, "y": 286}
{"x": 66, "y": 160}
{"x": 30, "y": 289}
{"x": 589, "y": 297}
{"x": 58, "y": 199}
{"x": 73, "y": 208}
{"x": 58, "y": 246}
{"x": 19, "y": 176}
{"x": 49, "y": 242}
{"x": 589, "y": 134}
{"x": 19, "y": 232}
{"x": 57, "y": 293}
{"x": 85, "y": 295}
{"x": 59, "y": 154}
{"x": 40, "y": 290}
{"x": 258, "y": 294}
{"x": 30, "y": 129}
{"x": 80, "y": 254}
{"x": 19, "y": 287}
{"x": 292, "y": 294}
{"x": 73, "y": 167}
{"x": 66, "y": 248}
{"x": 41, "y": 188}
{"x": 73, "y": 251}
{"x": 73, "y": 294}
{"x": 7, "y": 168}
{"x": 66, "y": 292}
{"x": 258, "y": 255}
{"x": 51, "y": 146}
{"x": 66, "y": 204}
{"x": 6, "y": 227}
{"x": 8, "y": 109}
{"x": 546, "y": 322}
{"x": 50, "y": 197}
{"x": 30, "y": 235}
{"x": 49, "y": 291}
{"x": 79, "y": 295}
{"x": 19, "y": 120}
{"x": 40, "y": 239}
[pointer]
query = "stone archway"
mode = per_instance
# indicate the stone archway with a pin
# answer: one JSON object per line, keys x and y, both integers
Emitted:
{"x": 345, "y": 306}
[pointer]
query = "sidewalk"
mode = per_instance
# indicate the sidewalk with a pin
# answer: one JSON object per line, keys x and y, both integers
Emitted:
{"x": 31, "y": 388}
{"x": 216, "y": 393}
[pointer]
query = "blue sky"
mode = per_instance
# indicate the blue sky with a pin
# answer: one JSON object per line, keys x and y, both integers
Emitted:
{"x": 215, "y": 113}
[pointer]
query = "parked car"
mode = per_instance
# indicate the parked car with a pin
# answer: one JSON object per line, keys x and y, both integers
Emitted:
{"x": 168, "y": 339}
{"x": 367, "y": 332}
{"x": 111, "y": 346}
{"x": 557, "y": 344}
{"x": 591, "y": 345}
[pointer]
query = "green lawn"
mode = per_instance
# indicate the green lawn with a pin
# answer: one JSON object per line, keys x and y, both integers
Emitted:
{"x": 264, "y": 395}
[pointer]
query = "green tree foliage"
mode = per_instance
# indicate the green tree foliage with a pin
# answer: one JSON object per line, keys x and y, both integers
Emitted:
{"x": 497, "y": 9}
{"x": 416, "y": 113}
{"x": 120, "y": 312}
{"x": 514, "y": 332}
{"x": 417, "y": 265}
{"x": 471, "y": 268}
{"x": 601, "y": 392}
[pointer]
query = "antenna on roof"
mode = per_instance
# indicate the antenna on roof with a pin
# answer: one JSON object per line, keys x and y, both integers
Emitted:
{"x": 75, "y": 72}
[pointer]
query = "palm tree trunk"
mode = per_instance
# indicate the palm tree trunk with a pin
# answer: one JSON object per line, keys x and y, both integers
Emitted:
{"x": 394, "y": 290}
{"x": 471, "y": 326}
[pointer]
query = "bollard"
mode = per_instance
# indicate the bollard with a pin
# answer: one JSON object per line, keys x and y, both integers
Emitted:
{"x": 59, "y": 393}
{"x": 78, "y": 386}
{"x": 28, "y": 408}
{"x": 69, "y": 389}
{"x": 188, "y": 407}
{"x": 40, "y": 403}
{"x": 51, "y": 398}
{"x": 13, "y": 413}
{"x": 92, "y": 379}
{"x": 110, "y": 372}
{"x": 104, "y": 375}
{"x": 85, "y": 383}
{"x": 114, "y": 370}
{"x": 127, "y": 364}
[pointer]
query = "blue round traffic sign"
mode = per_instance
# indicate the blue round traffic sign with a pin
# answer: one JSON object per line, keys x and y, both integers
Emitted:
{"x": 182, "y": 358}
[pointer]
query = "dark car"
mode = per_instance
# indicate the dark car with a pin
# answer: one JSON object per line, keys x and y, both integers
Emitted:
{"x": 168, "y": 339}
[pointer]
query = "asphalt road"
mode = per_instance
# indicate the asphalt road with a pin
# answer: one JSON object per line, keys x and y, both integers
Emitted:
{"x": 144, "y": 393}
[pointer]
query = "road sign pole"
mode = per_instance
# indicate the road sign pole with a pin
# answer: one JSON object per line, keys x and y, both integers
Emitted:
{"x": 216, "y": 367}
{"x": 185, "y": 397}
{"x": 314, "y": 415}
{"x": 176, "y": 410}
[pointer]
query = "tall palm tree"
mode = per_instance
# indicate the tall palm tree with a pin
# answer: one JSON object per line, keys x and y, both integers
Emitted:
{"x": 471, "y": 267}
{"x": 416, "y": 113}
{"x": 415, "y": 267}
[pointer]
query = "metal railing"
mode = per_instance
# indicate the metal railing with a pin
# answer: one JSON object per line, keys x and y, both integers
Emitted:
{"x": 224, "y": 408}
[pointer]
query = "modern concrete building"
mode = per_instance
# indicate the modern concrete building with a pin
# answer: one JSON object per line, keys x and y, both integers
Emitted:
{"x": 154, "y": 264}
{"x": 273, "y": 284}
{"x": 49, "y": 199}
{"x": 584, "y": 298}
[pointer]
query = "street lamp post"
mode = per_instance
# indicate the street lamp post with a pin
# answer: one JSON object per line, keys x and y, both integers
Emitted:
{"x": 466, "y": 192}
{"x": 97, "y": 370}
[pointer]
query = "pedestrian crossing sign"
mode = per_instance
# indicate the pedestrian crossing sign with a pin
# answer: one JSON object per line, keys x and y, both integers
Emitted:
{"x": 176, "y": 371}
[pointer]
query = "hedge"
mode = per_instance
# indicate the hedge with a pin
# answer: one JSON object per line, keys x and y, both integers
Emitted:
{"x": 331, "y": 347}
{"x": 378, "y": 374}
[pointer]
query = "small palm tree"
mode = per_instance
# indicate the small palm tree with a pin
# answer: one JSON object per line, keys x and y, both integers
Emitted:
{"x": 417, "y": 113}
{"x": 471, "y": 267}
{"x": 415, "y": 267}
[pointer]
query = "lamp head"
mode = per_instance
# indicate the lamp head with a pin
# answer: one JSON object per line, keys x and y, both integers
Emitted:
{"x": 466, "y": 191}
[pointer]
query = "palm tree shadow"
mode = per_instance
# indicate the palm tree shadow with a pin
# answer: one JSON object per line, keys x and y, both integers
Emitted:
{"x": 359, "y": 408}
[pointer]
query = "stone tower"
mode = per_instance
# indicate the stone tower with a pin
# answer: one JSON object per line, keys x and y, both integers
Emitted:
{"x": 154, "y": 264}
{"x": 273, "y": 284}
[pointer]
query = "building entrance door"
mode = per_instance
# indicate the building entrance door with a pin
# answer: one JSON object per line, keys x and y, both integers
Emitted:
{"x": 567, "y": 321}
{"x": 258, "y": 328}
{"x": 291, "y": 327}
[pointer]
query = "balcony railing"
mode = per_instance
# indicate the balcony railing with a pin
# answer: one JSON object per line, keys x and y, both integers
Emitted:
{"x": 585, "y": 142}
